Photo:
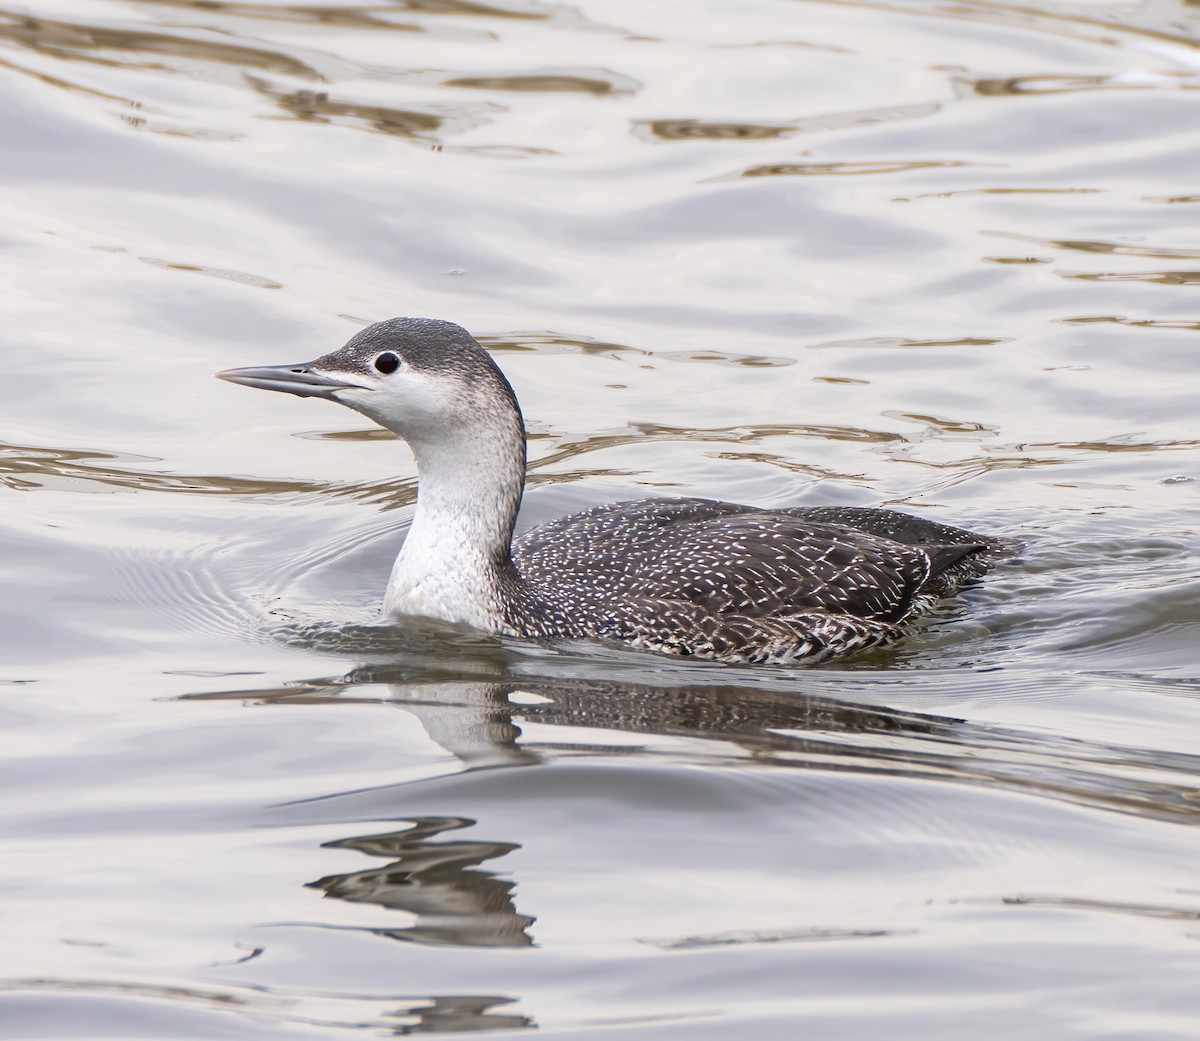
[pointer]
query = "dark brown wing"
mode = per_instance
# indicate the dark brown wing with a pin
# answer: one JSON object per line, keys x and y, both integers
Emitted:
{"x": 726, "y": 559}
{"x": 719, "y": 580}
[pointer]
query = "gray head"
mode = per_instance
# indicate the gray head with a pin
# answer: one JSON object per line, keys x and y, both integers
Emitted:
{"x": 424, "y": 379}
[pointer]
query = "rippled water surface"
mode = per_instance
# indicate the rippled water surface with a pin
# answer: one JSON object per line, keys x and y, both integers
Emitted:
{"x": 942, "y": 256}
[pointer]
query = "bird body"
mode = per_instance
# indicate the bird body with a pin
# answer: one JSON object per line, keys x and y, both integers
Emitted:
{"x": 722, "y": 580}
{"x": 690, "y": 577}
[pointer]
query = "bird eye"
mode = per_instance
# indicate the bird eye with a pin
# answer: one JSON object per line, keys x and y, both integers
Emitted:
{"x": 387, "y": 363}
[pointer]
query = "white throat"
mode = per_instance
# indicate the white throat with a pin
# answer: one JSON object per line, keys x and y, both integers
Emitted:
{"x": 452, "y": 561}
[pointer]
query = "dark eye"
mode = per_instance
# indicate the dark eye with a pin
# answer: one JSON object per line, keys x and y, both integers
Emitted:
{"x": 387, "y": 363}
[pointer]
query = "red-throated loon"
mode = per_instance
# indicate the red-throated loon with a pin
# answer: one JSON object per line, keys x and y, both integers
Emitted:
{"x": 682, "y": 576}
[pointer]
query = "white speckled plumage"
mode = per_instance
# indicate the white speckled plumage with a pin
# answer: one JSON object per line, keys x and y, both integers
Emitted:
{"x": 681, "y": 576}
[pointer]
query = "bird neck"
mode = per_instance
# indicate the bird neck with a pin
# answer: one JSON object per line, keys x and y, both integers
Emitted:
{"x": 456, "y": 559}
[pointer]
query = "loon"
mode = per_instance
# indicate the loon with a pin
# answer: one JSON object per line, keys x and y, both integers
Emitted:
{"x": 684, "y": 576}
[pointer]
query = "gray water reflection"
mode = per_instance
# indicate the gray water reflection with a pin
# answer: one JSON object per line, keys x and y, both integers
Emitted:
{"x": 95, "y": 1001}
{"x": 527, "y": 749}
{"x": 438, "y": 882}
{"x": 480, "y": 724}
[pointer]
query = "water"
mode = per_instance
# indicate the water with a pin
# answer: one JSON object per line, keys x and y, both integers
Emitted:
{"x": 938, "y": 256}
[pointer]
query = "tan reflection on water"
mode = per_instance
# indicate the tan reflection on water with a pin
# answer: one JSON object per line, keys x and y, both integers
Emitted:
{"x": 29, "y": 467}
{"x": 1073, "y": 22}
{"x": 852, "y": 169}
{"x": 597, "y": 81}
{"x": 702, "y": 130}
{"x": 898, "y": 341}
{"x": 243, "y": 277}
{"x": 1124, "y": 249}
{"x": 371, "y": 16}
{"x": 1138, "y": 323}
{"x": 1162, "y": 278}
{"x": 115, "y": 47}
{"x": 317, "y": 106}
{"x": 1049, "y": 85}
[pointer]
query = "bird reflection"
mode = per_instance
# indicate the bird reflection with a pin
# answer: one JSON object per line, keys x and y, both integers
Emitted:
{"x": 465, "y": 1013}
{"x": 479, "y": 719}
{"x": 441, "y": 880}
{"x": 438, "y": 882}
{"x": 490, "y": 712}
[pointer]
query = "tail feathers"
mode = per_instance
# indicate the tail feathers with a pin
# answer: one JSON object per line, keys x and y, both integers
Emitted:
{"x": 942, "y": 558}
{"x": 954, "y": 566}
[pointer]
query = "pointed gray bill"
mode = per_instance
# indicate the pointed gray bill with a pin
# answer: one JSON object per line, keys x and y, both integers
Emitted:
{"x": 291, "y": 379}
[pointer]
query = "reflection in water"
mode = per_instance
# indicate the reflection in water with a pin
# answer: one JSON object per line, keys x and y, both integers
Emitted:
{"x": 874, "y": 342}
{"x": 737, "y": 939}
{"x": 185, "y": 49}
{"x": 317, "y": 107}
{"x": 367, "y": 16}
{"x": 27, "y": 467}
{"x": 1044, "y": 85}
{"x": 436, "y": 881}
{"x": 1099, "y": 23}
{"x": 959, "y": 193}
{"x": 558, "y": 343}
{"x": 753, "y": 361}
{"x": 1162, "y": 278}
{"x": 849, "y": 169}
{"x": 1124, "y": 249}
{"x": 462, "y": 8}
{"x": 951, "y": 429}
{"x": 1138, "y": 323}
{"x": 480, "y": 723}
{"x": 468, "y": 1013}
{"x": 694, "y": 129}
{"x": 703, "y": 130}
{"x": 401, "y": 1015}
{"x": 590, "y": 81}
{"x": 244, "y": 278}
{"x": 101, "y": 46}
